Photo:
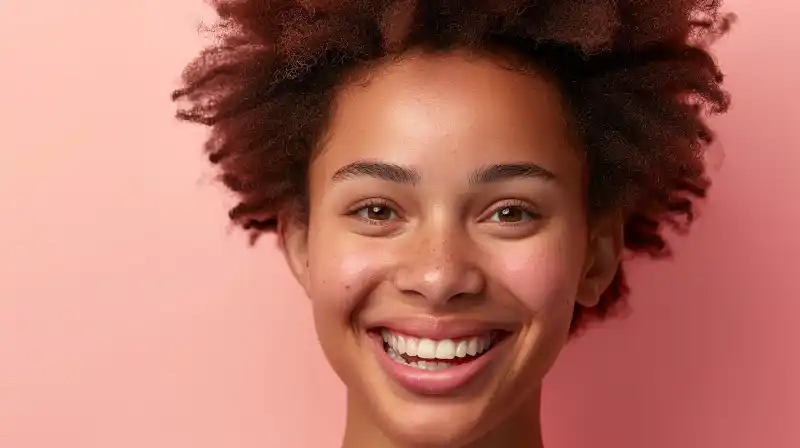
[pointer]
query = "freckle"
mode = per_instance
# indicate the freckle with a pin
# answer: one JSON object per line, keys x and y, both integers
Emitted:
{"x": 347, "y": 287}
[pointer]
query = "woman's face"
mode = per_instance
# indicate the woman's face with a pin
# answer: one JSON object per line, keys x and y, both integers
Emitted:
{"x": 447, "y": 243}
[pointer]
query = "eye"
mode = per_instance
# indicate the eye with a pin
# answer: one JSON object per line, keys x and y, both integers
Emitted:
{"x": 376, "y": 212}
{"x": 512, "y": 214}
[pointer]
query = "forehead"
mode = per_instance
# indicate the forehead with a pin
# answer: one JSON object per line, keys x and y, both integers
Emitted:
{"x": 458, "y": 110}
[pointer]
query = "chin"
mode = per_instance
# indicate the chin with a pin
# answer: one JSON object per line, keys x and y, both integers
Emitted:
{"x": 423, "y": 425}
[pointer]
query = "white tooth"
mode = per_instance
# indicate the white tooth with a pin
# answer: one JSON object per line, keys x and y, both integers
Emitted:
{"x": 401, "y": 345}
{"x": 426, "y": 349}
{"x": 430, "y": 349}
{"x": 461, "y": 349}
{"x": 426, "y": 365}
{"x": 435, "y": 366}
{"x": 472, "y": 347}
{"x": 411, "y": 346}
{"x": 446, "y": 349}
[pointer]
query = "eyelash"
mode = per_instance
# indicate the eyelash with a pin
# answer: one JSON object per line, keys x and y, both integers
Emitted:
{"x": 377, "y": 202}
{"x": 523, "y": 206}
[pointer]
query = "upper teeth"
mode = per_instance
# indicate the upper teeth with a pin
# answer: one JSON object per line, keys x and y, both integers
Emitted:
{"x": 439, "y": 349}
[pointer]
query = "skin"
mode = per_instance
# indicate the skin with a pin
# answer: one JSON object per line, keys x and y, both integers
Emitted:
{"x": 440, "y": 236}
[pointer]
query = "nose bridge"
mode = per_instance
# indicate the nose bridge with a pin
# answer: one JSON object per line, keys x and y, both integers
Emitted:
{"x": 438, "y": 264}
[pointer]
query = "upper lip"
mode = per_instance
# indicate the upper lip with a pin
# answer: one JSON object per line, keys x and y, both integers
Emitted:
{"x": 441, "y": 328}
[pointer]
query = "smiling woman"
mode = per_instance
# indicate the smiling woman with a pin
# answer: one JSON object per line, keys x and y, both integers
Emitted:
{"x": 454, "y": 183}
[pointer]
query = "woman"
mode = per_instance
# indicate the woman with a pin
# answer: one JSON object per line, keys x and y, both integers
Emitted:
{"x": 454, "y": 182}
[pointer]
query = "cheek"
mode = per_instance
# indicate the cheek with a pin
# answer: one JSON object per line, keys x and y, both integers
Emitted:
{"x": 543, "y": 273}
{"x": 341, "y": 272}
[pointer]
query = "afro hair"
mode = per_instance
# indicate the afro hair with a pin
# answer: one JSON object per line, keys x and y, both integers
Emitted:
{"x": 637, "y": 77}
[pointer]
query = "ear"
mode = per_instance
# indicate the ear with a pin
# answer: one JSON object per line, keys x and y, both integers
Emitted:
{"x": 604, "y": 252}
{"x": 293, "y": 243}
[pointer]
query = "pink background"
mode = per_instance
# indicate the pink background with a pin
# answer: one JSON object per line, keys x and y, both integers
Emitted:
{"x": 130, "y": 316}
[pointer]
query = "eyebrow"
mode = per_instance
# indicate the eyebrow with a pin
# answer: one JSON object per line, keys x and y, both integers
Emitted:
{"x": 509, "y": 171}
{"x": 378, "y": 170}
{"x": 409, "y": 176}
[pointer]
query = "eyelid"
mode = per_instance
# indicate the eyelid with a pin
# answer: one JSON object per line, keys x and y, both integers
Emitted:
{"x": 371, "y": 202}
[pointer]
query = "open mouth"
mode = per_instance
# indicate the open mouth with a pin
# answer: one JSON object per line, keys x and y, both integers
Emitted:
{"x": 433, "y": 355}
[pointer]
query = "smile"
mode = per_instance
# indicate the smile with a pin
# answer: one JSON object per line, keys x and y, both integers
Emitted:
{"x": 430, "y": 354}
{"x": 434, "y": 362}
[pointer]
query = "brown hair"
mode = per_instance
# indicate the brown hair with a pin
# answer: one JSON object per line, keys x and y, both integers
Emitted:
{"x": 636, "y": 74}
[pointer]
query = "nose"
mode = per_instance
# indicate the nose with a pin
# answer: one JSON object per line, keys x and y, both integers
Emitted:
{"x": 439, "y": 268}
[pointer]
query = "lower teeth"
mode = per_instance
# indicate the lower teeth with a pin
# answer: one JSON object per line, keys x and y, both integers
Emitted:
{"x": 422, "y": 365}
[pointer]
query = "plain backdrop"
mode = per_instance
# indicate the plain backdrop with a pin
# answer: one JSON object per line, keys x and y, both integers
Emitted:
{"x": 131, "y": 316}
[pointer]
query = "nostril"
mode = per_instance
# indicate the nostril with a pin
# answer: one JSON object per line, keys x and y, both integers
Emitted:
{"x": 440, "y": 283}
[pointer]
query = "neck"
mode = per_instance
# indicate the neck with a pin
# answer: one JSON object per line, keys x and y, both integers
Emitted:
{"x": 521, "y": 429}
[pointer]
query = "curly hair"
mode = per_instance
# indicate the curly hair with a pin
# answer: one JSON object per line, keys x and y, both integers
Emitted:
{"x": 636, "y": 75}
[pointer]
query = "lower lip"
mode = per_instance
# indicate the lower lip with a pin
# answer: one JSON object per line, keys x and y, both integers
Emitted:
{"x": 432, "y": 382}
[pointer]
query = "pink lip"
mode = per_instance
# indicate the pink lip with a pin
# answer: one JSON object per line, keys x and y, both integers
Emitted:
{"x": 436, "y": 382}
{"x": 436, "y": 328}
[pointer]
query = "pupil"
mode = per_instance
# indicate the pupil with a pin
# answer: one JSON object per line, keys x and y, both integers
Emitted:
{"x": 510, "y": 214}
{"x": 378, "y": 212}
